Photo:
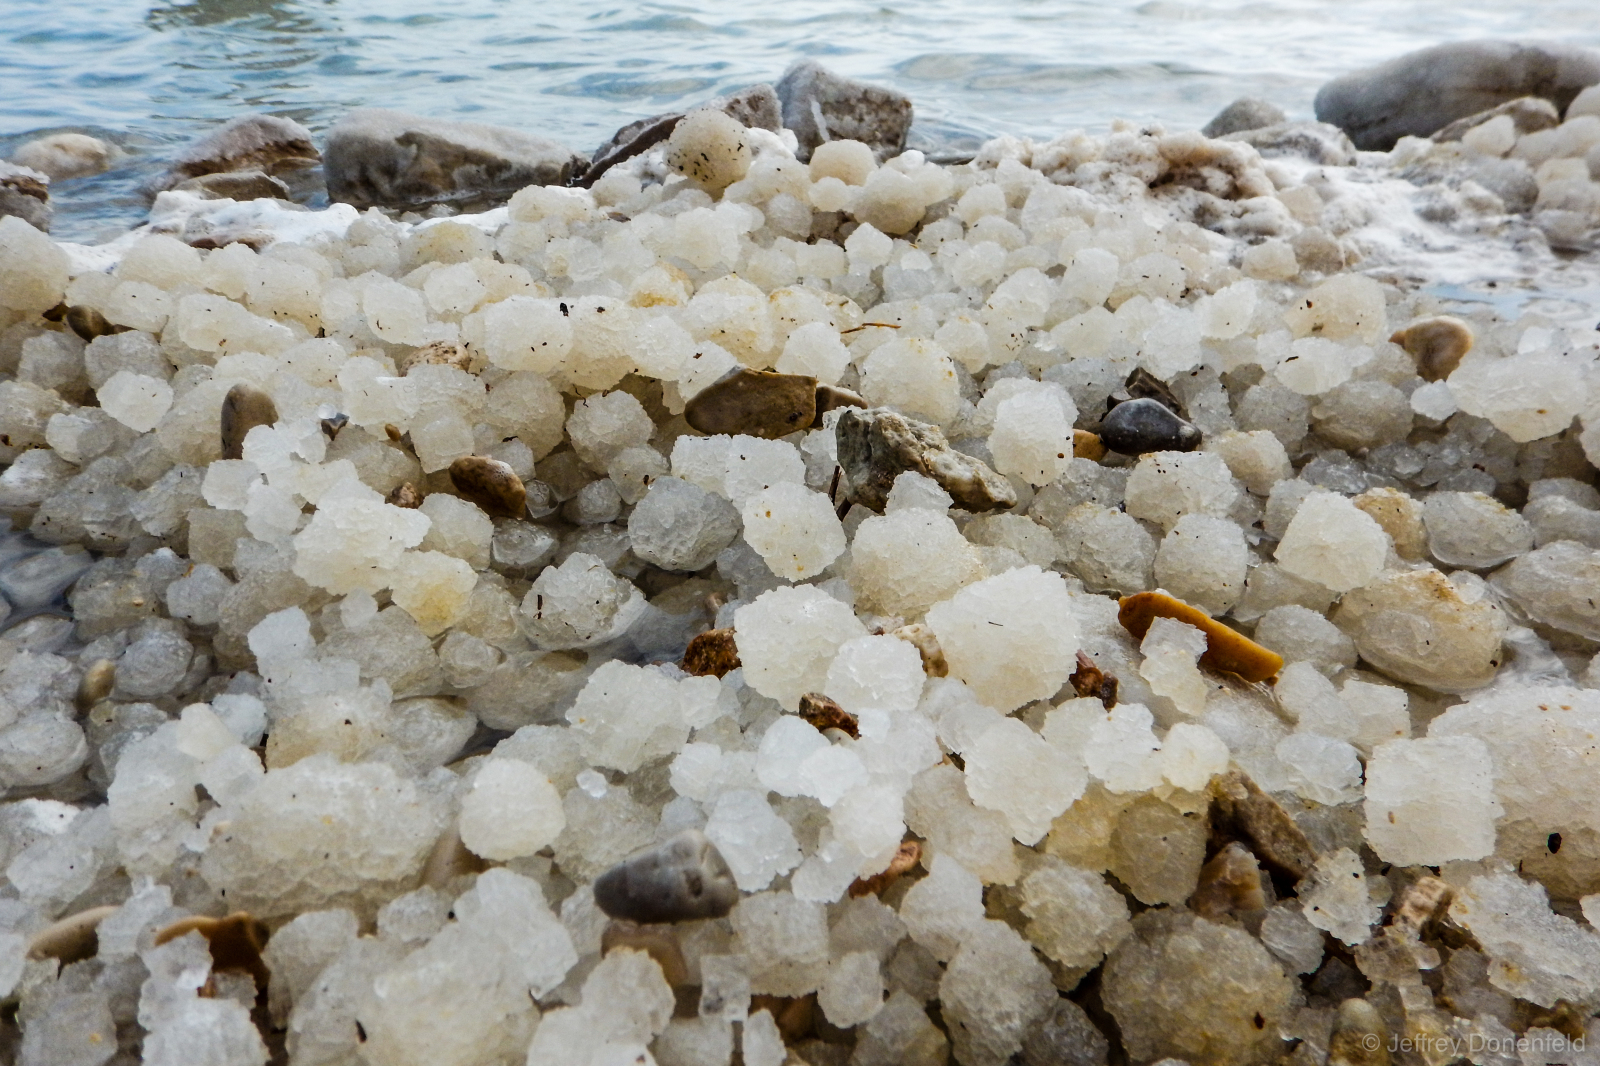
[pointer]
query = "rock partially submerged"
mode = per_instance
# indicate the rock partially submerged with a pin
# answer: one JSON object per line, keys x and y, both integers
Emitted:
{"x": 1421, "y": 92}
{"x": 819, "y": 105}
{"x": 267, "y": 143}
{"x": 25, "y": 193}
{"x": 1245, "y": 113}
{"x": 755, "y": 107}
{"x": 1528, "y": 114}
{"x": 876, "y": 445}
{"x": 236, "y": 185}
{"x": 67, "y": 155}
{"x": 377, "y": 157}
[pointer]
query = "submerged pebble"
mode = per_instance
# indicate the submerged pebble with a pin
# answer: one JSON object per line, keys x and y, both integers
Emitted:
{"x": 684, "y": 878}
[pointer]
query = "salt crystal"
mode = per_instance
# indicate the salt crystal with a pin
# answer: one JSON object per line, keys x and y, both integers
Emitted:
{"x": 794, "y": 529}
{"x": 1334, "y": 543}
{"x": 512, "y": 810}
{"x": 1336, "y": 899}
{"x": 1011, "y": 638}
{"x": 137, "y": 401}
{"x": 1431, "y": 801}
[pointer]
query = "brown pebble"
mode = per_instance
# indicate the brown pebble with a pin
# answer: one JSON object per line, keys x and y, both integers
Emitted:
{"x": 1241, "y": 811}
{"x": 438, "y": 353}
{"x": 1142, "y": 385}
{"x": 236, "y": 942}
{"x": 405, "y": 495}
{"x": 1226, "y": 650}
{"x": 831, "y": 398}
{"x": 654, "y": 940}
{"x": 904, "y": 860}
{"x": 333, "y": 424}
{"x": 796, "y": 1016}
{"x": 758, "y": 403}
{"x": 713, "y": 653}
{"x": 1091, "y": 682}
{"x": 392, "y": 431}
{"x": 88, "y": 323}
{"x": 71, "y": 939}
{"x": 1421, "y": 903}
{"x": 826, "y": 714}
{"x": 1565, "y": 1017}
{"x": 921, "y": 637}
{"x": 56, "y": 313}
{"x": 1086, "y": 445}
{"x": 490, "y": 484}
{"x": 1437, "y": 344}
{"x": 1230, "y": 883}
{"x": 243, "y": 409}
{"x": 449, "y": 860}
{"x": 97, "y": 683}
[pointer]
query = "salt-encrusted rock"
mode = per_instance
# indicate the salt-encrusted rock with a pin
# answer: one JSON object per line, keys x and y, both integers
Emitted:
{"x": 1317, "y": 141}
{"x": 60, "y": 156}
{"x": 578, "y": 604}
{"x": 1528, "y": 114}
{"x": 1421, "y": 92}
{"x": 681, "y": 879}
{"x": 244, "y": 408}
{"x": 755, "y": 107}
{"x": 819, "y": 105}
{"x": 25, "y": 194}
{"x": 680, "y": 526}
{"x": 389, "y": 158}
{"x": 1333, "y": 542}
{"x": 1421, "y": 627}
{"x": 266, "y": 143}
{"x": 1538, "y": 955}
{"x": 711, "y": 148}
{"x": 236, "y": 185}
{"x": 1147, "y": 425}
{"x": 1189, "y": 988}
{"x": 876, "y": 445}
{"x": 491, "y": 484}
{"x": 1245, "y": 113}
{"x": 1555, "y": 585}
{"x": 757, "y": 403}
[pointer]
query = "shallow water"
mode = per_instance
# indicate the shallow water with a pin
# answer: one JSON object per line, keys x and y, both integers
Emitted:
{"x": 153, "y": 76}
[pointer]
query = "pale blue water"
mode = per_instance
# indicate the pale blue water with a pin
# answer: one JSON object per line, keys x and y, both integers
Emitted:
{"x": 154, "y": 76}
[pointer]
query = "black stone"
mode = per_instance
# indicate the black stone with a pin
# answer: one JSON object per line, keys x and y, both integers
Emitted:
{"x": 1147, "y": 425}
{"x": 681, "y": 879}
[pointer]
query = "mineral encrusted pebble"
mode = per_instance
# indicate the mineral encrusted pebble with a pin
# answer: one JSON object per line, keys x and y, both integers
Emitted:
{"x": 491, "y": 484}
{"x": 875, "y": 446}
{"x": 684, "y": 878}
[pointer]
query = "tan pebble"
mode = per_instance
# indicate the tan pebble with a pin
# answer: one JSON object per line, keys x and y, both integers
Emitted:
{"x": 236, "y": 942}
{"x": 1091, "y": 682}
{"x": 97, "y": 683}
{"x": 1421, "y": 903}
{"x": 72, "y": 938}
{"x": 438, "y": 353}
{"x": 1241, "y": 811}
{"x": 392, "y": 431}
{"x": 826, "y": 714}
{"x": 1086, "y": 445}
{"x": 1230, "y": 883}
{"x": 1360, "y": 1037}
{"x": 1226, "y": 650}
{"x": 88, "y": 323}
{"x": 1401, "y": 518}
{"x": 758, "y": 403}
{"x": 490, "y": 484}
{"x": 796, "y": 1015}
{"x": 405, "y": 495}
{"x": 904, "y": 861}
{"x": 713, "y": 653}
{"x": 1437, "y": 344}
{"x": 831, "y": 398}
{"x": 654, "y": 941}
{"x": 921, "y": 637}
{"x": 449, "y": 860}
{"x": 243, "y": 409}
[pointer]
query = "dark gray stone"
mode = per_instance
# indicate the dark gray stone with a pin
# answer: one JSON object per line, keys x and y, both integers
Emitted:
{"x": 1147, "y": 425}
{"x": 876, "y": 445}
{"x": 266, "y": 143}
{"x": 755, "y": 107}
{"x": 376, "y": 157}
{"x": 819, "y": 105}
{"x": 1421, "y": 92}
{"x": 1316, "y": 141}
{"x": 25, "y": 192}
{"x": 1529, "y": 114}
{"x": 1245, "y": 113}
{"x": 681, "y": 879}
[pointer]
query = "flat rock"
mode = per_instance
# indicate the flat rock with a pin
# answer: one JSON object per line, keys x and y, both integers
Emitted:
{"x": 267, "y": 143}
{"x": 876, "y": 445}
{"x": 1529, "y": 114}
{"x": 236, "y": 185}
{"x": 1421, "y": 92}
{"x": 376, "y": 157}
{"x": 681, "y": 879}
{"x": 1245, "y": 113}
{"x": 819, "y": 105}
{"x": 25, "y": 192}
{"x": 67, "y": 155}
{"x": 755, "y": 107}
{"x": 758, "y": 403}
{"x": 1319, "y": 142}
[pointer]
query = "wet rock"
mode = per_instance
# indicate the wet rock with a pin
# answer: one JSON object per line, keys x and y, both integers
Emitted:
{"x": 1141, "y": 384}
{"x": 244, "y": 408}
{"x": 1421, "y": 92}
{"x": 1241, "y": 811}
{"x": 831, "y": 398}
{"x": 904, "y": 861}
{"x": 88, "y": 323}
{"x": 819, "y": 105}
{"x": 490, "y": 484}
{"x": 236, "y": 185}
{"x": 333, "y": 424}
{"x": 1245, "y": 113}
{"x": 1226, "y": 650}
{"x": 876, "y": 445}
{"x": 25, "y": 192}
{"x": 755, "y": 107}
{"x": 1437, "y": 344}
{"x": 1147, "y": 425}
{"x": 376, "y": 157}
{"x": 235, "y": 941}
{"x": 711, "y": 654}
{"x": 404, "y": 495}
{"x": 1317, "y": 141}
{"x": 266, "y": 143}
{"x": 825, "y": 714}
{"x": 60, "y": 156}
{"x": 72, "y": 938}
{"x": 759, "y": 403}
{"x": 921, "y": 637}
{"x": 1529, "y": 114}
{"x": 684, "y": 878}
{"x": 1230, "y": 883}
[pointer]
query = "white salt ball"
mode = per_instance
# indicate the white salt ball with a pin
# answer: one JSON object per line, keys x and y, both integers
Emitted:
{"x": 511, "y": 810}
{"x": 904, "y": 561}
{"x": 524, "y": 333}
{"x": 852, "y": 992}
{"x": 1165, "y": 486}
{"x": 711, "y": 148}
{"x": 1316, "y": 364}
{"x": 1336, "y": 899}
{"x": 1191, "y": 755}
{"x": 815, "y": 349}
{"x": 1011, "y": 638}
{"x": 1431, "y": 801}
{"x": 355, "y": 540}
{"x": 1532, "y": 395}
{"x": 876, "y": 673}
{"x": 867, "y": 248}
{"x": 395, "y": 312}
{"x": 1333, "y": 542}
{"x": 433, "y": 588}
{"x": 1202, "y": 561}
{"x": 795, "y": 530}
{"x": 912, "y": 490}
{"x": 137, "y": 401}
{"x": 603, "y": 426}
{"x": 787, "y": 639}
{"x": 914, "y": 376}
{"x": 1013, "y": 770}
{"x": 1032, "y": 435}
{"x": 848, "y": 161}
